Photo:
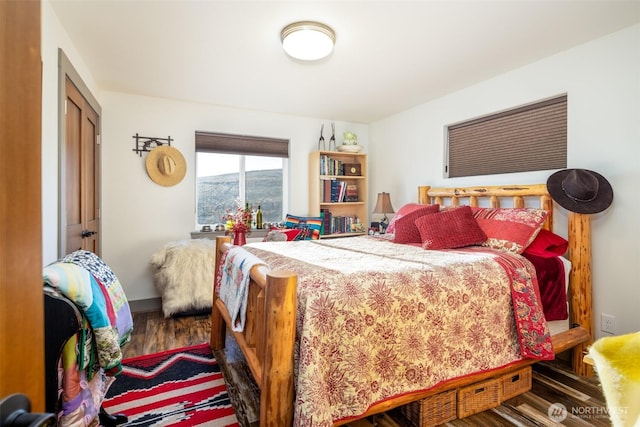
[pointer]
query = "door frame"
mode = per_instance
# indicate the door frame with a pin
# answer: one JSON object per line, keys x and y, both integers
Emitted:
{"x": 68, "y": 71}
{"x": 21, "y": 299}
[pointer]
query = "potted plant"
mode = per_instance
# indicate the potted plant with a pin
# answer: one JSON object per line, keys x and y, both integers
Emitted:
{"x": 350, "y": 143}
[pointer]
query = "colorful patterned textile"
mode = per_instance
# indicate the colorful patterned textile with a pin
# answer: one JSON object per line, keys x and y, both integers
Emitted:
{"x": 77, "y": 284}
{"x": 533, "y": 335}
{"x": 376, "y": 319}
{"x": 119, "y": 312}
{"x": 234, "y": 281}
{"x": 91, "y": 358}
{"x": 175, "y": 388}
{"x": 81, "y": 395}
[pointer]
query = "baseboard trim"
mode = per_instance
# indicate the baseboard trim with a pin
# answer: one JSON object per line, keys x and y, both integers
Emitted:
{"x": 144, "y": 305}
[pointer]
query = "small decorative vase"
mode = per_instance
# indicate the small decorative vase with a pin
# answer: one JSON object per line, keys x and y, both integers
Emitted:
{"x": 239, "y": 238}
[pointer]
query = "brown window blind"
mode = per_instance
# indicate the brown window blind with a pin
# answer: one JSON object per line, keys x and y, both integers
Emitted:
{"x": 211, "y": 142}
{"x": 528, "y": 138}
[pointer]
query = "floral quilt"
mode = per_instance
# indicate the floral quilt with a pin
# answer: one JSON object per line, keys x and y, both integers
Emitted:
{"x": 377, "y": 319}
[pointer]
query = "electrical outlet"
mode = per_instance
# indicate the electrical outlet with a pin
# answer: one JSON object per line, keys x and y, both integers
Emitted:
{"x": 607, "y": 323}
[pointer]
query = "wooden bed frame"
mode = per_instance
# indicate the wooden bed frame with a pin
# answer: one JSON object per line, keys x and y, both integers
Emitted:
{"x": 269, "y": 336}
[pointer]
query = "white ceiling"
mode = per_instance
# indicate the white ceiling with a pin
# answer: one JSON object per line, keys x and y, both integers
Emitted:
{"x": 389, "y": 55}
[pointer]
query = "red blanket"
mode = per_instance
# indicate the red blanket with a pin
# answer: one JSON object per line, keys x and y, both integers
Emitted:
{"x": 552, "y": 285}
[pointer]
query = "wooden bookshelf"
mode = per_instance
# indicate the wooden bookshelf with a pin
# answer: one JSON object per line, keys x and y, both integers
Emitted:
{"x": 326, "y": 167}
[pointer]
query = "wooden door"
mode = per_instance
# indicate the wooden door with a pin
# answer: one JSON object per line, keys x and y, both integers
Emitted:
{"x": 21, "y": 299}
{"x": 81, "y": 201}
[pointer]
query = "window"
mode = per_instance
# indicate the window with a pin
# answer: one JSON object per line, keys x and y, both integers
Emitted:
{"x": 528, "y": 138}
{"x": 232, "y": 167}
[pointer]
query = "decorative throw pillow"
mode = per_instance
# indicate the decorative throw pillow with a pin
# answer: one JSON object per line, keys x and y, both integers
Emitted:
{"x": 547, "y": 245}
{"x": 510, "y": 229}
{"x": 406, "y": 230}
{"x": 310, "y": 226}
{"x": 450, "y": 229}
{"x": 281, "y": 235}
{"x": 404, "y": 210}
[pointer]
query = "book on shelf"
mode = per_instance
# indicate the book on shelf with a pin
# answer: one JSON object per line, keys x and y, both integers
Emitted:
{"x": 326, "y": 221}
{"x": 333, "y": 191}
{"x": 326, "y": 190}
{"x": 345, "y": 224}
{"x": 329, "y": 166}
{"x": 351, "y": 194}
{"x": 342, "y": 191}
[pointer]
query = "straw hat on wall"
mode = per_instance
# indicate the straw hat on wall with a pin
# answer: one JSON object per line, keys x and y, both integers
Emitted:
{"x": 166, "y": 166}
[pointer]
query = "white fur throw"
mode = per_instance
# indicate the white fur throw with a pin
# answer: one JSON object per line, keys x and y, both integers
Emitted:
{"x": 185, "y": 274}
{"x": 617, "y": 361}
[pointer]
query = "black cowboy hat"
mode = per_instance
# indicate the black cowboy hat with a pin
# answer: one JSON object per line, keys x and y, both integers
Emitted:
{"x": 580, "y": 190}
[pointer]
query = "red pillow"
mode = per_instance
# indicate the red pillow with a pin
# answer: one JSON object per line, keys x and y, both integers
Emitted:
{"x": 449, "y": 229}
{"x": 547, "y": 245}
{"x": 405, "y": 210}
{"x": 510, "y": 229}
{"x": 405, "y": 227}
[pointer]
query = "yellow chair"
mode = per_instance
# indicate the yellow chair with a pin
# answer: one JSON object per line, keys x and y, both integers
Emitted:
{"x": 617, "y": 362}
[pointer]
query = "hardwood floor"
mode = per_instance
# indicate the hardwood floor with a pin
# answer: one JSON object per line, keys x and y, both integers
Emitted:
{"x": 553, "y": 383}
{"x": 152, "y": 333}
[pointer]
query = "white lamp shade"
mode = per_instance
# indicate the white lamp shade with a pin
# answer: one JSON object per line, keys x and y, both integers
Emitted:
{"x": 308, "y": 41}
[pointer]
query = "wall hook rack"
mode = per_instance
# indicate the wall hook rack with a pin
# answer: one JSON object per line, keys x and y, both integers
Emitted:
{"x": 147, "y": 143}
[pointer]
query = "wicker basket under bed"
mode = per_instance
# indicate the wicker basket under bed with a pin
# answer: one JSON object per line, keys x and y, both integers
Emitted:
{"x": 466, "y": 401}
{"x": 478, "y": 397}
{"x": 431, "y": 411}
{"x": 515, "y": 383}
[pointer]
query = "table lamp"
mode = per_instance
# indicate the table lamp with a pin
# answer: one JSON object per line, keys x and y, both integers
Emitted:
{"x": 383, "y": 206}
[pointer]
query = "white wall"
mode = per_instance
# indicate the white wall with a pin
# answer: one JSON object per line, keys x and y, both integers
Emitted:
{"x": 140, "y": 216}
{"x": 53, "y": 37}
{"x": 602, "y": 80}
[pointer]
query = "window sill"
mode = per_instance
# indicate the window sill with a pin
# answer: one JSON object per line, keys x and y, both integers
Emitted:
{"x": 255, "y": 234}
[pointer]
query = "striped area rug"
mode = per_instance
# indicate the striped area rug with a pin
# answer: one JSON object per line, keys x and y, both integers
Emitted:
{"x": 182, "y": 387}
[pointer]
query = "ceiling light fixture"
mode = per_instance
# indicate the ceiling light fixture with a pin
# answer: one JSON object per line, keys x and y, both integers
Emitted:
{"x": 308, "y": 40}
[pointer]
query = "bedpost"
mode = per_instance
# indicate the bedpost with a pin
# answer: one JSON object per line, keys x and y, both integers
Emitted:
{"x": 580, "y": 312}
{"x": 216, "y": 341}
{"x": 423, "y": 195}
{"x": 276, "y": 394}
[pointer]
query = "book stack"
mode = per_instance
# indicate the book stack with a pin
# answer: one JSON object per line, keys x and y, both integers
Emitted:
{"x": 343, "y": 224}
{"x": 351, "y": 194}
{"x": 329, "y": 166}
{"x": 336, "y": 191}
{"x": 326, "y": 221}
{"x": 333, "y": 190}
